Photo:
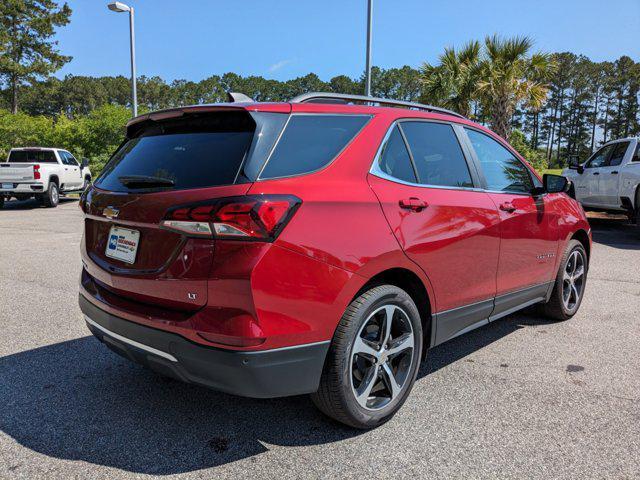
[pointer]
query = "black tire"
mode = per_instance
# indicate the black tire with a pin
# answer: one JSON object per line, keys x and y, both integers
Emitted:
{"x": 336, "y": 396}
{"x": 558, "y": 308}
{"x": 52, "y": 197}
{"x": 1, "y": 202}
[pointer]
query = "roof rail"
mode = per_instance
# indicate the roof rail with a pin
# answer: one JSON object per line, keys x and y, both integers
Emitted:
{"x": 322, "y": 97}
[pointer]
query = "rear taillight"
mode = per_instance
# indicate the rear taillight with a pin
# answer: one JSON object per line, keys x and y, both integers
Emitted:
{"x": 36, "y": 172}
{"x": 250, "y": 217}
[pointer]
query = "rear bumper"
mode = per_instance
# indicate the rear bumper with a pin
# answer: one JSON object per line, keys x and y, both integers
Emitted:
{"x": 19, "y": 188}
{"x": 262, "y": 374}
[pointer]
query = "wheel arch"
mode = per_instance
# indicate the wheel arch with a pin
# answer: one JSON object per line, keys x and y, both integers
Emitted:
{"x": 583, "y": 237}
{"x": 54, "y": 179}
{"x": 411, "y": 283}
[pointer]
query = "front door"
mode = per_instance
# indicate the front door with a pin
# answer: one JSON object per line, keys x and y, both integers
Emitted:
{"x": 528, "y": 245}
{"x": 440, "y": 219}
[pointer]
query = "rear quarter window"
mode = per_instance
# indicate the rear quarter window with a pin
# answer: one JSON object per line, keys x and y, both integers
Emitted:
{"x": 310, "y": 142}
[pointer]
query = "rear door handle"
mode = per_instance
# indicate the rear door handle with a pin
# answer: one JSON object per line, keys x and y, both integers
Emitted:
{"x": 507, "y": 207}
{"x": 615, "y": 172}
{"x": 596, "y": 173}
{"x": 414, "y": 204}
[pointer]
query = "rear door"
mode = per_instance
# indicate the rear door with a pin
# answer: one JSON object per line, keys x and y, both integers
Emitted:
{"x": 75, "y": 172}
{"x": 592, "y": 172}
{"x": 164, "y": 164}
{"x": 442, "y": 221}
{"x": 609, "y": 179}
{"x": 528, "y": 242}
{"x": 71, "y": 169}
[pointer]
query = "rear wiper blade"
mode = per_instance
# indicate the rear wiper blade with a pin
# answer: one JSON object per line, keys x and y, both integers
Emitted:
{"x": 145, "y": 181}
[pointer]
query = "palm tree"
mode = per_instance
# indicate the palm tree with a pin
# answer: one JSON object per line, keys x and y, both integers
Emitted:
{"x": 452, "y": 83}
{"x": 509, "y": 77}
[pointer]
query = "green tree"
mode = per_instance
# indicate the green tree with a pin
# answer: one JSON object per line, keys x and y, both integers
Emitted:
{"x": 27, "y": 51}
{"x": 509, "y": 76}
{"x": 453, "y": 83}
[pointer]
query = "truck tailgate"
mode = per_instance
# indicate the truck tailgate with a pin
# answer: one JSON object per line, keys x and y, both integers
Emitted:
{"x": 16, "y": 172}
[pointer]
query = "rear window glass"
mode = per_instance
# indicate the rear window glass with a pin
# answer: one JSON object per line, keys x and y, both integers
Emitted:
{"x": 32, "y": 156}
{"x": 310, "y": 142}
{"x": 187, "y": 153}
{"x": 437, "y": 154}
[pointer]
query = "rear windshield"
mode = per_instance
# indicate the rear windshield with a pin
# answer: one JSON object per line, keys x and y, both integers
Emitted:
{"x": 201, "y": 151}
{"x": 310, "y": 142}
{"x": 32, "y": 156}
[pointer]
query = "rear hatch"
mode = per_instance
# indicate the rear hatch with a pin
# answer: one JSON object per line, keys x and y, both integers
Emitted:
{"x": 170, "y": 159}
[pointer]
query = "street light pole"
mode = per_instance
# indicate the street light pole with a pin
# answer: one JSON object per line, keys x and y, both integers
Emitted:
{"x": 134, "y": 87}
{"x": 369, "y": 33}
{"x": 121, "y": 7}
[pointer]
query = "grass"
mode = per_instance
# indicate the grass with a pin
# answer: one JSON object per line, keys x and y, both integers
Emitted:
{"x": 553, "y": 171}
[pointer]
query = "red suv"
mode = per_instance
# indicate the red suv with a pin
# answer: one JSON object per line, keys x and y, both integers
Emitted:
{"x": 319, "y": 246}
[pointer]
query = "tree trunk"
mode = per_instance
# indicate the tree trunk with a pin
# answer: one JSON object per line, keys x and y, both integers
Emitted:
{"x": 500, "y": 116}
{"x": 595, "y": 118}
{"x": 14, "y": 95}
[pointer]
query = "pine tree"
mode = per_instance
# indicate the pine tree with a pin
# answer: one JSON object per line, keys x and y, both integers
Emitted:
{"x": 27, "y": 50}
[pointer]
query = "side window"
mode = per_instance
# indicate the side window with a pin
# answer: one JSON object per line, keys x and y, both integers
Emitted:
{"x": 437, "y": 155}
{"x": 63, "y": 157}
{"x": 310, "y": 142}
{"x": 502, "y": 170}
{"x": 394, "y": 159}
{"x": 617, "y": 155}
{"x": 599, "y": 159}
{"x": 636, "y": 155}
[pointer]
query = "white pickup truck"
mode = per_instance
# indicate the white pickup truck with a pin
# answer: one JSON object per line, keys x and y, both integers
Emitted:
{"x": 43, "y": 173}
{"x": 608, "y": 181}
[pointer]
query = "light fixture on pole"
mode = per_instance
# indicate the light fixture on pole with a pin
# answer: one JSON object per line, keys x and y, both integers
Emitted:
{"x": 121, "y": 7}
{"x": 369, "y": 34}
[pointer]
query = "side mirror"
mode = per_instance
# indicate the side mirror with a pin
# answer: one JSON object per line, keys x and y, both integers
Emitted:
{"x": 84, "y": 163}
{"x": 555, "y": 183}
{"x": 574, "y": 164}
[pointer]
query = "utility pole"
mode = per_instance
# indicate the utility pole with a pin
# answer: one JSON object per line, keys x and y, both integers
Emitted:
{"x": 369, "y": 34}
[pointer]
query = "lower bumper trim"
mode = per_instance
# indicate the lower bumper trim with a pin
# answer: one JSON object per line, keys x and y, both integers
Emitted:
{"x": 131, "y": 342}
{"x": 259, "y": 374}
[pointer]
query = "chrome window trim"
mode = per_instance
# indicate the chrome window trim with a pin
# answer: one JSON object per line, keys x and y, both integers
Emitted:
{"x": 376, "y": 171}
{"x": 310, "y": 114}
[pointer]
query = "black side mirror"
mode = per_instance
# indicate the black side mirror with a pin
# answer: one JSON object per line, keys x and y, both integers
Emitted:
{"x": 84, "y": 163}
{"x": 555, "y": 183}
{"x": 574, "y": 164}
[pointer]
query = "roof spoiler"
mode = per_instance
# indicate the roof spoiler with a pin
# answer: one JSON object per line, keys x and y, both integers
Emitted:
{"x": 236, "y": 97}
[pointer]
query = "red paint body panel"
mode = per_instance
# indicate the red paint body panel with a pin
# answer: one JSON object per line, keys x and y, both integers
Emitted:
{"x": 528, "y": 244}
{"x": 348, "y": 229}
{"x": 455, "y": 239}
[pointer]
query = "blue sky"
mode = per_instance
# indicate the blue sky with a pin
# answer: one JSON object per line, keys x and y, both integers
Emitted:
{"x": 282, "y": 39}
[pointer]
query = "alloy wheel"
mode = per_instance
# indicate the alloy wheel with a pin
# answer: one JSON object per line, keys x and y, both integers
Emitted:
{"x": 573, "y": 280}
{"x": 381, "y": 357}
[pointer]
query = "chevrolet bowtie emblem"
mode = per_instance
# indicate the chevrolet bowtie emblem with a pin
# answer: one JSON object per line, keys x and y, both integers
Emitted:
{"x": 110, "y": 212}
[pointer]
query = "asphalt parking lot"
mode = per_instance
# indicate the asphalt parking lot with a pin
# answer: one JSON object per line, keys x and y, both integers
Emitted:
{"x": 520, "y": 398}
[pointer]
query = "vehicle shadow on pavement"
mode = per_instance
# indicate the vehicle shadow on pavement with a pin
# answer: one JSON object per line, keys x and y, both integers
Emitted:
{"x": 464, "y": 345}
{"x": 77, "y": 400}
{"x": 615, "y": 232}
{"x": 32, "y": 203}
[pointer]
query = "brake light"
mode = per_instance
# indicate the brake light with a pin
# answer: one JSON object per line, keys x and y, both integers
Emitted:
{"x": 250, "y": 217}
{"x": 36, "y": 172}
